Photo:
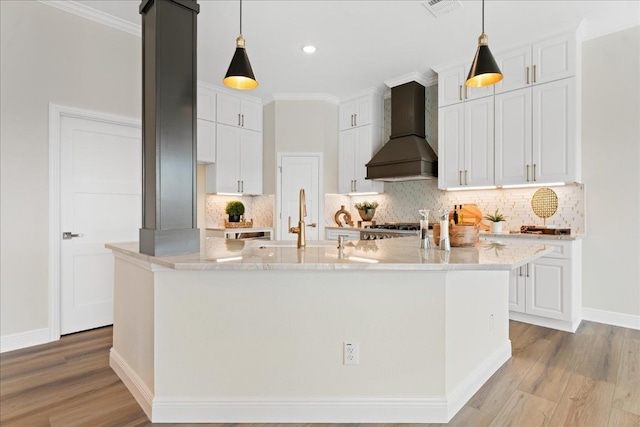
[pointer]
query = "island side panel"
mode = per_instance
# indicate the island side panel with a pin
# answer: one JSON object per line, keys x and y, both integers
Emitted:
{"x": 132, "y": 354}
{"x": 477, "y": 331}
{"x": 272, "y": 334}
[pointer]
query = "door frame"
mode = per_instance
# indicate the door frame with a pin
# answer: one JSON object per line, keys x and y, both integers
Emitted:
{"x": 56, "y": 114}
{"x": 277, "y": 208}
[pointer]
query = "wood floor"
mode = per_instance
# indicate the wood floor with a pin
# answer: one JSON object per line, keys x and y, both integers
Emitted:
{"x": 591, "y": 378}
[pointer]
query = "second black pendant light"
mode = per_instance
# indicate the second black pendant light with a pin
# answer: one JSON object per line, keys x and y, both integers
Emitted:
{"x": 240, "y": 75}
{"x": 484, "y": 70}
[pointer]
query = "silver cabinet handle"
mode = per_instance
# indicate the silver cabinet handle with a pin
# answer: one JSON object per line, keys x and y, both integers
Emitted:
{"x": 460, "y": 92}
{"x": 352, "y": 120}
{"x": 355, "y": 185}
{"x": 466, "y": 94}
{"x": 460, "y": 177}
{"x": 355, "y": 120}
{"x": 243, "y": 120}
{"x": 527, "y": 75}
{"x": 534, "y": 172}
{"x": 68, "y": 235}
{"x": 242, "y": 186}
{"x": 528, "y": 275}
{"x": 466, "y": 175}
{"x": 527, "y": 173}
{"x": 238, "y": 119}
{"x": 238, "y": 186}
{"x": 534, "y": 73}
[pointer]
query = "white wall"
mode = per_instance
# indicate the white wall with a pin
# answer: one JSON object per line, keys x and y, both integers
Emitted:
{"x": 611, "y": 172}
{"x": 47, "y": 55}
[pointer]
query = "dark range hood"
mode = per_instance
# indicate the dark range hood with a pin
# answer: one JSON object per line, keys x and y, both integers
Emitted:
{"x": 406, "y": 156}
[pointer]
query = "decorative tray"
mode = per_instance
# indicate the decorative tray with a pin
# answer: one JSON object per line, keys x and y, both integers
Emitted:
{"x": 532, "y": 229}
{"x": 240, "y": 224}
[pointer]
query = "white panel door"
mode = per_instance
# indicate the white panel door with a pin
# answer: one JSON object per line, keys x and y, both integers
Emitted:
{"x": 227, "y": 166}
{"x": 251, "y": 115}
{"x": 517, "y": 281}
{"x": 228, "y": 110}
{"x": 549, "y": 290}
{"x": 206, "y": 141}
{"x": 516, "y": 69}
{"x": 554, "y": 59}
{"x": 346, "y": 161}
{"x": 100, "y": 199}
{"x": 450, "y": 145}
{"x": 297, "y": 172}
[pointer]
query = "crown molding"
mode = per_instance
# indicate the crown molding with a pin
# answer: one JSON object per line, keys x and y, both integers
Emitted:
{"x": 303, "y": 97}
{"x": 412, "y": 77}
{"x": 95, "y": 15}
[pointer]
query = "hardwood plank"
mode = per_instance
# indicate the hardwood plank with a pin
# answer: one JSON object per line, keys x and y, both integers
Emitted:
{"x": 620, "y": 418}
{"x": 627, "y": 392}
{"x": 632, "y": 334}
{"x": 549, "y": 375}
{"x": 467, "y": 416}
{"x": 601, "y": 356}
{"x": 524, "y": 409}
{"x": 586, "y": 403}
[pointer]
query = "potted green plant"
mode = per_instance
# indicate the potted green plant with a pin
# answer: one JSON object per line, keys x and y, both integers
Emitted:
{"x": 234, "y": 209}
{"x": 366, "y": 210}
{"x": 496, "y": 221}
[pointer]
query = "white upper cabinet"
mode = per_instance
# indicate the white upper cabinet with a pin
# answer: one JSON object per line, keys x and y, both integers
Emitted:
{"x": 542, "y": 62}
{"x": 536, "y": 134}
{"x": 358, "y": 112}
{"x": 238, "y": 167}
{"x": 206, "y": 107}
{"x": 239, "y": 112}
{"x": 206, "y": 141}
{"x": 466, "y": 144}
{"x": 360, "y": 137}
{"x": 451, "y": 88}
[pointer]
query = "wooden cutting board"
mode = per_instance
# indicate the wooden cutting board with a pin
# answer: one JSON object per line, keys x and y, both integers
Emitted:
{"x": 471, "y": 215}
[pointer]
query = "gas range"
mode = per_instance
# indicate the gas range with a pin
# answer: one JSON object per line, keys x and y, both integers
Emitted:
{"x": 389, "y": 230}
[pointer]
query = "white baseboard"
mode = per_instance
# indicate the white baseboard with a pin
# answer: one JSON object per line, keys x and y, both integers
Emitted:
{"x": 242, "y": 409}
{"x": 561, "y": 325}
{"x": 481, "y": 375}
{"x": 24, "y": 339}
{"x": 132, "y": 381}
{"x": 611, "y": 318}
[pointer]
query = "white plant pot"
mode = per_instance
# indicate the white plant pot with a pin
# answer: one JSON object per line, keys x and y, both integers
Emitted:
{"x": 496, "y": 227}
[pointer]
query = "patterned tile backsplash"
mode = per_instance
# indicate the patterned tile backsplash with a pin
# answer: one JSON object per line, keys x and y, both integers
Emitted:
{"x": 258, "y": 208}
{"x": 401, "y": 201}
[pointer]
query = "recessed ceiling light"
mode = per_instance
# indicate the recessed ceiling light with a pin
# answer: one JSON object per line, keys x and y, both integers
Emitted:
{"x": 308, "y": 49}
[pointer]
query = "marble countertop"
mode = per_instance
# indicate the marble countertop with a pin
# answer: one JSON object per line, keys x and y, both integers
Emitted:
{"x": 401, "y": 253}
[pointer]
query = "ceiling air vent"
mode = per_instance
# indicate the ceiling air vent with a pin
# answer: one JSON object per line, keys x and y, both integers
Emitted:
{"x": 440, "y": 7}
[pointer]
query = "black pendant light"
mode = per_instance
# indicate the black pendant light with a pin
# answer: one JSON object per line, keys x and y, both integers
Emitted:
{"x": 484, "y": 70}
{"x": 240, "y": 75}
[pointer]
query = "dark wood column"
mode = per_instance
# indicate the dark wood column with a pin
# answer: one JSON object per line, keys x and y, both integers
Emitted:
{"x": 169, "y": 92}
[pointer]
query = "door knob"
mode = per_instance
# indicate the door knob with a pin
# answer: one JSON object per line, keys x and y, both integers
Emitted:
{"x": 67, "y": 235}
{"x": 313, "y": 224}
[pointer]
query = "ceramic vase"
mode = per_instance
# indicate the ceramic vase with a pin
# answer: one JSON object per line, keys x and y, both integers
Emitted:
{"x": 496, "y": 227}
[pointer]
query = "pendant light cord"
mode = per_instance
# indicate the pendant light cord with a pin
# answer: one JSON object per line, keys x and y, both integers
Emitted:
{"x": 482, "y": 14}
{"x": 241, "y": 16}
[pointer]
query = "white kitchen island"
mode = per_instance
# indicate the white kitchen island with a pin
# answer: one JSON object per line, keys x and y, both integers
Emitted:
{"x": 253, "y": 331}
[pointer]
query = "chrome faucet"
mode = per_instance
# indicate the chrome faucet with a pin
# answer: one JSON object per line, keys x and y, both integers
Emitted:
{"x": 299, "y": 230}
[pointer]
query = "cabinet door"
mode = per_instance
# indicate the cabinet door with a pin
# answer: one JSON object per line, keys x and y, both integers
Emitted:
{"x": 251, "y": 115}
{"x": 363, "y": 111}
{"x": 227, "y": 168}
{"x": 517, "y": 280}
{"x": 478, "y": 143}
{"x": 554, "y": 132}
{"x": 548, "y": 292}
{"x": 513, "y": 137}
{"x": 450, "y": 86}
{"x": 206, "y": 108}
{"x": 206, "y": 141}
{"x": 228, "y": 110}
{"x": 346, "y": 161}
{"x": 516, "y": 69}
{"x": 554, "y": 59}
{"x": 346, "y": 112}
{"x": 450, "y": 146}
{"x": 333, "y": 234}
{"x": 251, "y": 162}
{"x": 364, "y": 148}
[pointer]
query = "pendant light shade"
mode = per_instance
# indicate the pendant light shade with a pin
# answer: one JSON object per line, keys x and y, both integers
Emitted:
{"x": 484, "y": 70}
{"x": 240, "y": 74}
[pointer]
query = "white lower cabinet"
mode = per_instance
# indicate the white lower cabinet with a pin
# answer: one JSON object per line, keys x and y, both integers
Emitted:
{"x": 547, "y": 291}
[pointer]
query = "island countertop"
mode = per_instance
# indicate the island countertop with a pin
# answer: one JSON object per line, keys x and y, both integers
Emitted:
{"x": 401, "y": 253}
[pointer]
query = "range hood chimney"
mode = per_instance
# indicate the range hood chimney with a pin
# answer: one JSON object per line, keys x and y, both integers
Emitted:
{"x": 406, "y": 156}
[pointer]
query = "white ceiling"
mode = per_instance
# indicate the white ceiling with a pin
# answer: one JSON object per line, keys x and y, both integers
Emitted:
{"x": 361, "y": 44}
